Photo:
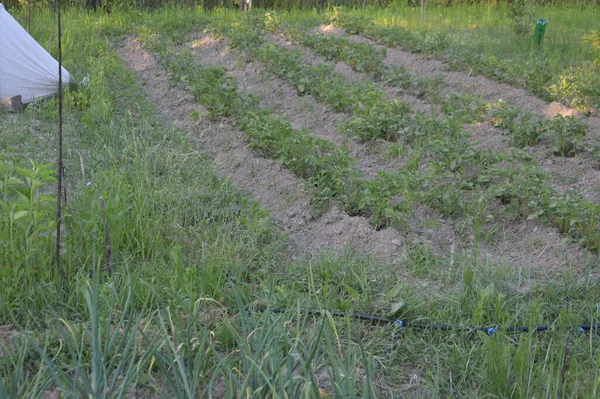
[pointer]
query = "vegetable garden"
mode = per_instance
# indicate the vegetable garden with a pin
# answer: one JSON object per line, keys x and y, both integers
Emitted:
{"x": 337, "y": 160}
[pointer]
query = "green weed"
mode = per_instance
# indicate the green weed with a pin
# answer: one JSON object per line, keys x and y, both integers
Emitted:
{"x": 567, "y": 134}
{"x": 27, "y": 224}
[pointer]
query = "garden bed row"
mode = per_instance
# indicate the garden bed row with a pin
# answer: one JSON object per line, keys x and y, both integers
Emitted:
{"x": 466, "y": 171}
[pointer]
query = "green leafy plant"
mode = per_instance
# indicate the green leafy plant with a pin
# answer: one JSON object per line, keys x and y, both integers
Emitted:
{"x": 520, "y": 13}
{"x": 525, "y": 129}
{"x": 27, "y": 219}
{"x": 378, "y": 121}
{"x": 567, "y": 133}
{"x": 526, "y": 132}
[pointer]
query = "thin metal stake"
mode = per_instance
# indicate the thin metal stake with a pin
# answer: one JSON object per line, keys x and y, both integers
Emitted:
{"x": 60, "y": 145}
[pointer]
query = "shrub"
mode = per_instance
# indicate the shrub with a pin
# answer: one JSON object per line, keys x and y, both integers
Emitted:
{"x": 521, "y": 15}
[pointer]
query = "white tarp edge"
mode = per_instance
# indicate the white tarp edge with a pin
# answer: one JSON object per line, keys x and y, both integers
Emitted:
{"x": 26, "y": 69}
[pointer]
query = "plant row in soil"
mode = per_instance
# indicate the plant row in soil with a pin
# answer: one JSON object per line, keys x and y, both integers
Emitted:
{"x": 578, "y": 87}
{"x": 445, "y": 172}
{"x": 525, "y": 129}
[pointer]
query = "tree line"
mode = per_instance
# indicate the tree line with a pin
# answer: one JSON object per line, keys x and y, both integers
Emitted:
{"x": 107, "y": 5}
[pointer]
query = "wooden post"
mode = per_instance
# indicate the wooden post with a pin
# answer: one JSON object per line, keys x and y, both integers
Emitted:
{"x": 12, "y": 104}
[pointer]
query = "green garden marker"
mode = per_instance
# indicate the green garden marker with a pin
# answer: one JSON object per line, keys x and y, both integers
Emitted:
{"x": 540, "y": 29}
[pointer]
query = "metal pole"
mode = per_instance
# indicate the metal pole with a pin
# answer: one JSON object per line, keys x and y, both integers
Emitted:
{"x": 60, "y": 143}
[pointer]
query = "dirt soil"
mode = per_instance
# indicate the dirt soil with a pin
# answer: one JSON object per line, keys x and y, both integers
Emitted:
{"x": 461, "y": 81}
{"x": 267, "y": 182}
{"x": 536, "y": 251}
{"x": 578, "y": 173}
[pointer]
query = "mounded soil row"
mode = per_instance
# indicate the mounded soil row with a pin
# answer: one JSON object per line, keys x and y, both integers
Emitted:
{"x": 464, "y": 82}
{"x": 266, "y": 181}
{"x": 578, "y": 173}
{"x": 308, "y": 114}
{"x": 536, "y": 250}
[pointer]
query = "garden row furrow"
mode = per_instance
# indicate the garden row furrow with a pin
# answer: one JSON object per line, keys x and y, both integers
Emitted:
{"x": 416, "y": 101}
{"x": 364, "y": 59}
{"x": 368, "y": 59}
{"x": 564, "y": 136}
{"x": 524, "y": 129}
{"x": 491, "y": 179}
{"x": 460, "y": 81}
{"x": 302, "y": 112}
{"x": 435, "y": 185}
{"x": 430, "y": 95}
{"x": 277, "y": 94}
{"x": 439, "y": 237}
{"x": 330, "y": 173}
{"x": 306, "y": 113}
{"x": 275, "y": 187}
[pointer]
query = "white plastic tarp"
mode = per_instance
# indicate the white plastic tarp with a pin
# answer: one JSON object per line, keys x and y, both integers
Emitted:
{"x": 26, "y": 69}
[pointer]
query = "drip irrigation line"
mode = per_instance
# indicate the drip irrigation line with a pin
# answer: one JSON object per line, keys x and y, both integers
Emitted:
{"x": 581, "y": 329}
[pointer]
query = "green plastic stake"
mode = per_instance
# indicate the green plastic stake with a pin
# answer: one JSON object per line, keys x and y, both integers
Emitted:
{"x": 540, "y": 29}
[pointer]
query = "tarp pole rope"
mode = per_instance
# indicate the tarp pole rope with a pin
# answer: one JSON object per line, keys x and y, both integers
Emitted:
{"x": 60, "y": 143}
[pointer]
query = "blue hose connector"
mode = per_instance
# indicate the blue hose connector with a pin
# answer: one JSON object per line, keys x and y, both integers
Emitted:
{"x": 491, "y": 331}
{"x": 399, "y": 323}
{"x": 581, "y": 331}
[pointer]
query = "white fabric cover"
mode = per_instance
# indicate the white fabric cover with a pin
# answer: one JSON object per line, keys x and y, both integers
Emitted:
{"x": 26, "y": 69}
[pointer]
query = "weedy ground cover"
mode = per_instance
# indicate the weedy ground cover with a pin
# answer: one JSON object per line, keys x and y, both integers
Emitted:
{"x": 195, "y": 258}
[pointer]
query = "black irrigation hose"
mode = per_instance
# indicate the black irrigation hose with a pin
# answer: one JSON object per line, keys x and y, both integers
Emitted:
{"x": 582, "y": 329}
